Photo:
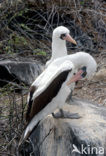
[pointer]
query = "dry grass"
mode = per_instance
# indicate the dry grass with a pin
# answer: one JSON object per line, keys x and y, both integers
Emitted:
{"x": 12, "y": 108}
{"x": 27, "y": 25}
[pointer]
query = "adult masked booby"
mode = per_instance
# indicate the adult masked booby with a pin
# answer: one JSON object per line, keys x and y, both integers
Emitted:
{"x": 60, "y": 35}
{"x": 51, "y": 89}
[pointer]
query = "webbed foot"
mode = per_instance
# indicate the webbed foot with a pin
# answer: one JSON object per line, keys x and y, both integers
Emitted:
{"x": 66, "y": 114}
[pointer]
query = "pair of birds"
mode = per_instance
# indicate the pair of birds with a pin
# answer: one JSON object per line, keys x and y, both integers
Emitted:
{"x": 52, "y": 87}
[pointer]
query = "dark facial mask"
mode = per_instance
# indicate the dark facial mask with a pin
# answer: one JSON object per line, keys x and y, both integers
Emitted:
{"x": 84, "y": 71}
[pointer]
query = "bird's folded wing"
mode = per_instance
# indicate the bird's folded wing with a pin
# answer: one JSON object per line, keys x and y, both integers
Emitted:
{"x": 38, "y": 103}
{"x": 50, "y": 74}
{"x": 39, "y": 98}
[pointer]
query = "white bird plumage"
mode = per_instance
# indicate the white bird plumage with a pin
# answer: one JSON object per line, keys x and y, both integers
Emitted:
{"x": 59, "y": 48}
{"x": 59, "y": 63}
{"x": 70, "y": 62}
{"x": 79, "y": 60}
{"x": 49, "y": 76}
{"x": 46, "y": 81}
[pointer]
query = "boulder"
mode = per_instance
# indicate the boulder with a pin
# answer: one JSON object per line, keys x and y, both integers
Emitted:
{"x": 70, "y": 137}
{"x": 19, "y": 72}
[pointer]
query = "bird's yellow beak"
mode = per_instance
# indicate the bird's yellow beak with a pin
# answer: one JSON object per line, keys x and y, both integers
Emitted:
{"x": 76, "y": 77}
{"x": 70, "y": 39}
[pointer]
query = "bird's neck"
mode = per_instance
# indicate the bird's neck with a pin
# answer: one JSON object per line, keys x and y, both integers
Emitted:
{"x": 58, "y": 49}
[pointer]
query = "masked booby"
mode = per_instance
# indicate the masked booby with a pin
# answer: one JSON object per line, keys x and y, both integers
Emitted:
{"x": 60, "y": 35}
{"x": 51, "y": 89}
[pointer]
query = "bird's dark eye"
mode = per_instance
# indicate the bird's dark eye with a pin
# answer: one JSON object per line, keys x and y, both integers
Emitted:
{"x": 62, "y": 36}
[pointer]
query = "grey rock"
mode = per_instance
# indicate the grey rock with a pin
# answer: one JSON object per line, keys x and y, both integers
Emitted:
{"x": 16, "y": 71}
{"x": 59, "y": 137}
